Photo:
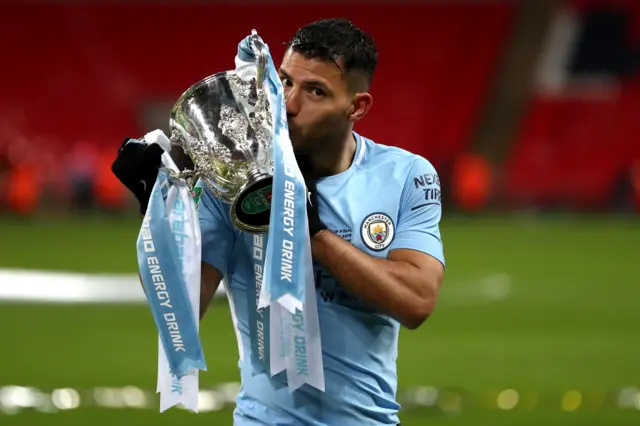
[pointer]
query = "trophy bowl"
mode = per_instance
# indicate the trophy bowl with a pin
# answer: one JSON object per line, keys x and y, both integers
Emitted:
{"x": 223, "y": 123}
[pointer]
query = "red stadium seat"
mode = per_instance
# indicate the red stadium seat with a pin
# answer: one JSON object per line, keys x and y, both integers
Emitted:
{"x": 75, "y": 75}
{"x": 575, "y": 152}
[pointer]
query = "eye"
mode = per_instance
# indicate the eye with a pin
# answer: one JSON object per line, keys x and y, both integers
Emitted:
{"x": 286, "y": 82}
{"x": 317, "y": 92}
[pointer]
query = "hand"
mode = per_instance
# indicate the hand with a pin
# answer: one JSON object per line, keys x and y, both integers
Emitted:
{"x": 136, "y": 166}
{"x": 315, "y": 224}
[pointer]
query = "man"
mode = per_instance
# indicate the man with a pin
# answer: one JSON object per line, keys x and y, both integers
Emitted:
{"x": 374, "y": 221}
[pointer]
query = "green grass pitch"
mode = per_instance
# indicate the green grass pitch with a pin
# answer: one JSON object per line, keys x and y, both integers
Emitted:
{"x": 539, "y": 305}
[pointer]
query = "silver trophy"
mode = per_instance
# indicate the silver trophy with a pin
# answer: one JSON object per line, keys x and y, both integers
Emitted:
{"x": 223, "y": 123}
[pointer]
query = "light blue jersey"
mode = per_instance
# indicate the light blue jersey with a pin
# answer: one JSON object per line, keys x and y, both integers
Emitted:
{"x": 388, "y": 199}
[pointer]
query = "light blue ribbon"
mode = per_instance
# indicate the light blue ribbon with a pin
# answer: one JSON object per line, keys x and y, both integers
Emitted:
{"x": 160, "y": 266}
{"x": 286, "y": 263}
{"x": 287, "y": 233}
{"x": 259, "y": 319}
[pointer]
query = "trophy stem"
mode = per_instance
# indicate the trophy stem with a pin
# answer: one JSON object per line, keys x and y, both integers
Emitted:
{"x": 253, "y": 201}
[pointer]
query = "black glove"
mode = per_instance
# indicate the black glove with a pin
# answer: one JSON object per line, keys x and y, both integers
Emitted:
{"x": 315, "y": 224}
{"x": 136, "y": 166}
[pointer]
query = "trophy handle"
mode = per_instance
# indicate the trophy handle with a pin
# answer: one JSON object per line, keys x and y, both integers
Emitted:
{"x": 262, "y": 56}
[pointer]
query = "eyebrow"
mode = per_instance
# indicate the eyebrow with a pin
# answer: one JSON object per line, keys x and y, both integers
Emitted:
{"x": 311, "y": 82}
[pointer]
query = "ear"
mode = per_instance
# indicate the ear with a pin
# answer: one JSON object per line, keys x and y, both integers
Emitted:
{"x": 361, "y": 104}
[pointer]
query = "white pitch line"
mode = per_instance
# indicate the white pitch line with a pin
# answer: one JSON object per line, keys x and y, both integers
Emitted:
{"x": 490, "y": 289}
{"x": 64, "y": 287}
{"x": 19, "y": 285}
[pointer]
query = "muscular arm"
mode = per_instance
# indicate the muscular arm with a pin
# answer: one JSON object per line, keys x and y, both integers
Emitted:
{"x": 405, "y": 285}
{"x": 209, "y": 283}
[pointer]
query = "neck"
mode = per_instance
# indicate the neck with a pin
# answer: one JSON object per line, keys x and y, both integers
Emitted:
{"x": 334, "y": 158}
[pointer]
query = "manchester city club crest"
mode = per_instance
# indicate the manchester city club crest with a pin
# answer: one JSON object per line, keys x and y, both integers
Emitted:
{"x": 377, "y": 231}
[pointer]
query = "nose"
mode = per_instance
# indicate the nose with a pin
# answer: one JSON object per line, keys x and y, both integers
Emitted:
{"x": 292, "y": 101}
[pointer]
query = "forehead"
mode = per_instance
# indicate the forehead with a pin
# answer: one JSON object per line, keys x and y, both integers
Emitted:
{"x": 302, "y": 69}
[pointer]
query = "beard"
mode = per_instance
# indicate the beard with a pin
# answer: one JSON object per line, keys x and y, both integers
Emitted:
{"x": 320, "y": 136}
{"x": 297, "y": 138}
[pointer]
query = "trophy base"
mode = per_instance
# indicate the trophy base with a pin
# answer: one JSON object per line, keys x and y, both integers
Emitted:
{"x": 251, "y": 210}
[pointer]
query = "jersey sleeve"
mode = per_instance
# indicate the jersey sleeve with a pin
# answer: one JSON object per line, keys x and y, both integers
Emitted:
{"x": 218, "y": 236}
{"x": 418, "y": 225}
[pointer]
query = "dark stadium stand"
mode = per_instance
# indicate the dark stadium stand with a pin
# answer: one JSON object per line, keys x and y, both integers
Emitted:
{"x": 83, "y": 72}
{"x": 577, "y": 151}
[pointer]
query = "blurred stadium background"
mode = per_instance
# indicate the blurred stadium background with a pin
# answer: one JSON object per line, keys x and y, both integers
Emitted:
{"x": 529, "y": 110}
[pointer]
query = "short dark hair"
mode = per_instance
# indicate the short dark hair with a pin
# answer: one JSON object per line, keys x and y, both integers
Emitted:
{"x": 337, "y": 39}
